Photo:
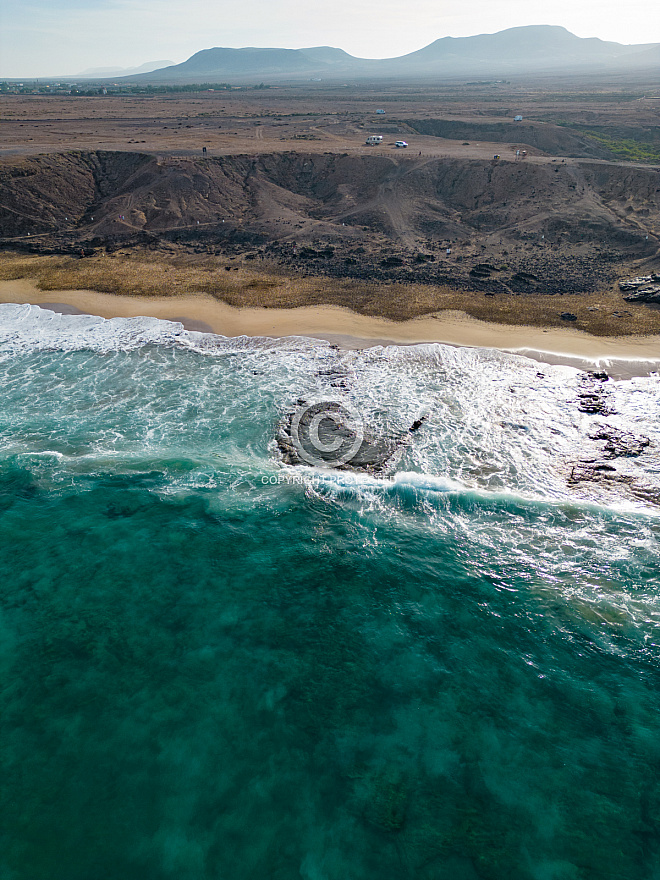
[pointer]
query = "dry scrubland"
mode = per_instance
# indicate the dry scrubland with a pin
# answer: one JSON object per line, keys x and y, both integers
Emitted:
{"x": 289, "y": 197}
{"x": 147, "y": 274}
{"x": 597, "y": 117}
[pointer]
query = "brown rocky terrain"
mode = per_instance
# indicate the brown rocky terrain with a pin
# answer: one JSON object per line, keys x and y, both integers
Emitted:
{"x": 512, "y": 226}
{"x": 287, "y": 181}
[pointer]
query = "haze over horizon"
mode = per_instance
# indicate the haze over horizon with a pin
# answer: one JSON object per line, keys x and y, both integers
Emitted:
{"x": 42, "y": 38}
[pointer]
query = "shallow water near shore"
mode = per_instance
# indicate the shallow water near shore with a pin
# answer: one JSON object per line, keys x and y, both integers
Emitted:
{"x": 217, "y": 666}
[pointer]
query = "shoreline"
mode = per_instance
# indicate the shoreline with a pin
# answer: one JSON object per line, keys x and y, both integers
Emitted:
{"x": 623, "y": 357}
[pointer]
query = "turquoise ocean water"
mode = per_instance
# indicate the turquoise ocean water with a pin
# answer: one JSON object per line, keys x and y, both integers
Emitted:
{"x": 217, "y": 666}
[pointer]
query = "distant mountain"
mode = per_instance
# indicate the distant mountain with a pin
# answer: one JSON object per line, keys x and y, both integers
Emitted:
{"x": 226, "y": 62}
{"x": 123, "y": 71}
{"x": 513, "y": 51}
{"x": 650, "y": 56}
{"x": 328, "y": 55}
{"x": 541, "y": 46}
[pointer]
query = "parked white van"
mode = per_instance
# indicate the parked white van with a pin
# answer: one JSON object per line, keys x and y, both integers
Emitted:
{"x": 374, "y": 140}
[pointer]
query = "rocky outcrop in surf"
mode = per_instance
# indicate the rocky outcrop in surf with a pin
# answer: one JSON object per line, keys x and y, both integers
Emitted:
{"x": 594, "y": 399}
{"x": 331, "y": 434}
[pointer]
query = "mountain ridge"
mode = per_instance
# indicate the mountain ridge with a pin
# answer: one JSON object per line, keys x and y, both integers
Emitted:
{"x": 527, "y": 49}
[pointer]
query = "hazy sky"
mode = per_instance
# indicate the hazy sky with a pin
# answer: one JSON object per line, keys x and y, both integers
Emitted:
{"x": 58, "y": 37}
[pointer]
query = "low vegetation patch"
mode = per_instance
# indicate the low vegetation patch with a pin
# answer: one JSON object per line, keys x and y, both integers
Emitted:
{"x": 628, "y": 148}
{"x": 642, "y": 145}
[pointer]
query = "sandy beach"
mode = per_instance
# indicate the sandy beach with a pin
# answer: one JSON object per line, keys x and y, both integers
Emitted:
{"x": 623, "y": 356}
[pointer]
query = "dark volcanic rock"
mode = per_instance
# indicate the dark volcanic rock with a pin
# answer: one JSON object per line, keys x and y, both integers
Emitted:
{"x": 375, "y": 450}
{"x": 642, "y": 288}
{"x": 596, "y": 472}
{"x": 650, "y": 294}
{"x": 594, "y": 403}
{"x": 606, "y": 476}
{"x": 620, "y": 443}
{"x": 646, "y": 493}
{"x": 639, "y": 281}
{"x": 483, "y": 270}
{"x": 593, "y": 399}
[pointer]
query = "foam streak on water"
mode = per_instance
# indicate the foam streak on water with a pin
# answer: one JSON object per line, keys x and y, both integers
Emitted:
{"x": 217, "y": 665}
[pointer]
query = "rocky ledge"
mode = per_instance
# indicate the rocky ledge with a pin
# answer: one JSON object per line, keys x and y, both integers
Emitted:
{"x": 594, "y": 399}
{"x": 642, "y": 289}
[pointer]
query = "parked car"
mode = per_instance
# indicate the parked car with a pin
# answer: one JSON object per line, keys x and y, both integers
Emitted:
{"x": 401, "y": 144}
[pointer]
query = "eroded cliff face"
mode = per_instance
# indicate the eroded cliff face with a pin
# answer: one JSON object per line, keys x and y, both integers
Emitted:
{"x": 347, "y": 215}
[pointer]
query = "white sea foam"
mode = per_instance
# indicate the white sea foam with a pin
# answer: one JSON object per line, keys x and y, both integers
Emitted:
{"x": 498, "y": 423}
{"x": 26, "y": 327}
